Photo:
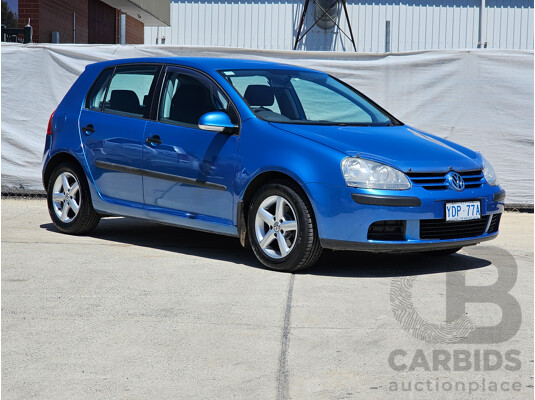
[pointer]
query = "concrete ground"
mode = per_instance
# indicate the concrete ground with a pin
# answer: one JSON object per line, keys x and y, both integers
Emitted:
{"x": 145, "y": 311}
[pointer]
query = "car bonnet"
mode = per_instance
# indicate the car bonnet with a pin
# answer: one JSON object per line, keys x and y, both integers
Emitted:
{"x": 399, "y": 146}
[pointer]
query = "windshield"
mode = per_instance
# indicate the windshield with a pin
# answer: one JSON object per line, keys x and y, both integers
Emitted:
{"x": 304, "y": 97}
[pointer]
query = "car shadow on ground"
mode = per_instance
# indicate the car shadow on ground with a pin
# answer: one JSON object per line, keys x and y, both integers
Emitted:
{"x": 332, "y": 263}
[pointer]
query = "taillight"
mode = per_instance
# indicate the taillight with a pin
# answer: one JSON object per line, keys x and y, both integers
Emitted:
{"x": 49, "y": 128}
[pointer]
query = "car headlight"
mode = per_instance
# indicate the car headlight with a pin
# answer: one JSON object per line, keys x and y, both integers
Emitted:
{"x": 373, "y": 175}
{"x": 489, "y": 173}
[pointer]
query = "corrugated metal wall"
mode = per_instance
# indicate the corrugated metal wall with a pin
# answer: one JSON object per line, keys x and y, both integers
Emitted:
{"x": 509, "y": 24}
{"x": 418, "y": 25}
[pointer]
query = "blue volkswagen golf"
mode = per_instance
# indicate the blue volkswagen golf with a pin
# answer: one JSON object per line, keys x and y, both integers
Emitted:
{"x": 287, "y": 159}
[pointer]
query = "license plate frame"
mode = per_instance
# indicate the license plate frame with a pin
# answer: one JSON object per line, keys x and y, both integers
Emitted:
{"x": 456, "y": 211}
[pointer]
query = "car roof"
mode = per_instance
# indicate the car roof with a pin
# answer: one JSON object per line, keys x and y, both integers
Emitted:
{"x": 203, "y": 63}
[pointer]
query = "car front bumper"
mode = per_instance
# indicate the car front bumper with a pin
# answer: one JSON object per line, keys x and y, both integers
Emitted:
{"x": 344, "y": 216}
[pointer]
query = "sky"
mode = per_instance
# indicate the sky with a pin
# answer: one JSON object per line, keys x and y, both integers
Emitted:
{"x": 14, "y": 5}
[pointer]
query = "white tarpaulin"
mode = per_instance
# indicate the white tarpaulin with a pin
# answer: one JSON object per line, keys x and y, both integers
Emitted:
{"x": 482, "y": 99}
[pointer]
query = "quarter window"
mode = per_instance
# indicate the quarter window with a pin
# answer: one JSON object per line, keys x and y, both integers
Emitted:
{"x": 95, "y": 99}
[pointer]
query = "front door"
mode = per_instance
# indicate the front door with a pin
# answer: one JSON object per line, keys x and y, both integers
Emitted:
{"x": 186, "y": 170}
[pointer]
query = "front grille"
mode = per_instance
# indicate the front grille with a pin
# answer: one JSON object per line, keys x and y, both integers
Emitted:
{"x": 442, "y": 230}
{"x": 495, "y": 223}
{"x": 437, "y": 181}
{"x": 387, "y": 230}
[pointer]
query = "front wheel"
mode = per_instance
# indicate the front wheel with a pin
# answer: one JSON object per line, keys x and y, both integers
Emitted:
{"x": 69, "y": 201}
{"x": 281, "y": 229}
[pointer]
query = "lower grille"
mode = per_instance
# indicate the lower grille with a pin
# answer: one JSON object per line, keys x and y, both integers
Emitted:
{"x": 442, "y": 230}
{"x": 387, "y": 230}
{"x": 495, "y": 223}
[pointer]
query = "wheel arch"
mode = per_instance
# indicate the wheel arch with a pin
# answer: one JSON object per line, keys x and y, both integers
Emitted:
{"x": 254, "y": 185}
{"x": 57, "y": 159}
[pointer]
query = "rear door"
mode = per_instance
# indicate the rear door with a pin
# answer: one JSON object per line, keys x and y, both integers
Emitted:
{"x": 112, "y": 126}
{"x": 187, "y": 170}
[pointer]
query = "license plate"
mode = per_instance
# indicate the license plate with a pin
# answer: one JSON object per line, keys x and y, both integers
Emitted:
{"x": 463, "y": 211}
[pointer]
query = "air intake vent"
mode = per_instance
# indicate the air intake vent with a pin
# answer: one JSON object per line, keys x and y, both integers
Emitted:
{"x": 495, "y": 223}
{"x": 442, "y": 230}
{"x": 387, "y": 231}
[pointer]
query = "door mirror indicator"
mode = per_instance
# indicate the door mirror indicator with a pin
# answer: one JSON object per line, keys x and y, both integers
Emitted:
{"x": 216, "y": 121}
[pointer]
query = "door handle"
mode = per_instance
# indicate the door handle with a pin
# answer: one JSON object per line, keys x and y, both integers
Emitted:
{"x": 89, "y": 129}
{"x": 154, "y": 140}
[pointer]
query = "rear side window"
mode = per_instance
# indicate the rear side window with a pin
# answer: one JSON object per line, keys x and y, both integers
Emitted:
{"x": 128, "y": 91}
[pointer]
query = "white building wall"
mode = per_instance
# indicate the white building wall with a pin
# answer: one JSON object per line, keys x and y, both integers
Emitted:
{"x": 416, "y": 25}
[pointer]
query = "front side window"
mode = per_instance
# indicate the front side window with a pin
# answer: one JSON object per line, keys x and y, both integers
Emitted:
{"x": 128, "y": 91}
{"x": 304, "y": 97}
{"x": 186, "y": 97}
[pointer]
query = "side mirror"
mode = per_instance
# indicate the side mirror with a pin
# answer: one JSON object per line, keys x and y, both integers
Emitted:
{"x": 216, "y": 121}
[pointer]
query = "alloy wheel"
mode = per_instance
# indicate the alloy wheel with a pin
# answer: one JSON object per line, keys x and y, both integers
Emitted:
{"x": 66, "y": 197}
{"x": 276, "y": 227}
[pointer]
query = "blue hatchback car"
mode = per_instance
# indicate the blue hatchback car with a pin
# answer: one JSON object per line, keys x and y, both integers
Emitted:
{"x": 287, "y": 159}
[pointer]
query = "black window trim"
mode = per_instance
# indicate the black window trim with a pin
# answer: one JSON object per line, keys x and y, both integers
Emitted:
{"x": 107, "y": 89}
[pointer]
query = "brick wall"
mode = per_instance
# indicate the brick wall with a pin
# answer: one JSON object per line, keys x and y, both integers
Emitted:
{"x": 135, "y": 32}
{"x": 57, "y": 15}
{"x": 47, "y": 16}
{"x": 102, "y": 23}
{"x": 30, "y": 9}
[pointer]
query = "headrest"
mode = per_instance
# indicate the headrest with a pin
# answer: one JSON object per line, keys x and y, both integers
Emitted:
{"x": 125, "y": 100}
{"x": 190, "y": 95}
{"x": 259, "y": 95}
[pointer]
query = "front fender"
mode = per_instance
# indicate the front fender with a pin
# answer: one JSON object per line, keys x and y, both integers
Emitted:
{"x": 263, "y": 148}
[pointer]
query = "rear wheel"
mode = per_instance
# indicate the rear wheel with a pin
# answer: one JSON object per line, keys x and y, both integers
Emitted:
{"x": 281, "y": 228}
{"x": 69, "y": 201}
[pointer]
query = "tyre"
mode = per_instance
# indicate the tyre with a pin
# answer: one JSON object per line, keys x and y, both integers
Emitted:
{"x": 442, "y": 253}
{"x": 281, "y": 228}
{"x": 69, "y": 201}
